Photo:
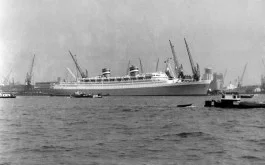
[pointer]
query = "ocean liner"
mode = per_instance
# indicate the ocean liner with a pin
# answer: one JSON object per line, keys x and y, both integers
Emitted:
{"x": 168, "y": 83}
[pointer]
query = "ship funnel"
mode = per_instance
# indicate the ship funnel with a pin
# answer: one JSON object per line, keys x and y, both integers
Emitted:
{"x": 134, "y": 70}
{"x": 208, "y": 75}
{"x": 106, "y": 72}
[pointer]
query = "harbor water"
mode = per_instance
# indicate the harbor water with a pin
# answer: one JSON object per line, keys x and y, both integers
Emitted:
{"x": 128, "y": 131}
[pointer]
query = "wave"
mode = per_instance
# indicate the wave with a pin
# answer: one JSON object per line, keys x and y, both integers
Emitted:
{"x": 140, "y": 108}
{"x": 255, "y": 126}
{"x": 77, "y": 122}
{"x": 190, "y": 134}
{"x": 130, "y": 109}
{"x": 51, "y": 148}
{"x": 170, "y": 125}
{"x": 154, "y": 150}
{"x": 182, "y": 135}
{"x": 258, "y": 141}
{"x": 6, "y": 163}
{"x": 250, "y": 157}
{"x": 216, "y": 152}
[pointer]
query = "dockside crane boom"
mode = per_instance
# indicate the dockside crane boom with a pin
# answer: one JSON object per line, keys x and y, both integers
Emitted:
{"x": 225, "y": 74}
{"x": 195, "y": 70}
{"x": 176, "y": 62}
{"x": 29, "y": 74}
{"x": 240, "y": 81}
{"x": 72, "y": 74}
{"x": 83, "y": 75}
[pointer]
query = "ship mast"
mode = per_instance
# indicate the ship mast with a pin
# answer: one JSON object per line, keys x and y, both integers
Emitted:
{"x": 128, "y": 68}
{"x": 157, "y": 64}
{"x": 141, "y": 66}
{"x": 195, "y": 70}
{"x": 176, "y": 63}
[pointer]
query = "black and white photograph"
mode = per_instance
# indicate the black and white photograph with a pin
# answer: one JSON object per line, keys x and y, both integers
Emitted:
{"x": 132, "y": 82}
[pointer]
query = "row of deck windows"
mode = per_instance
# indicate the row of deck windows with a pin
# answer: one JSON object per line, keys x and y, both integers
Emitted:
{"x": 115, "y": 79}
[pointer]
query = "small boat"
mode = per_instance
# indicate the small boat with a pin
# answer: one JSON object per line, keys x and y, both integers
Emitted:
{"x": 233, "y": 101}
{"x": 246, "y": 95}
{"x": 184, "y": 105}
{"x": 97, "y": 96}
{"x": 79, "y": 94}
{"x": 7, "y": 95}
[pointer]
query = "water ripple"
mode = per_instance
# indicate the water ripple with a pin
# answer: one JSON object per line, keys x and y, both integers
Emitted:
{"x": 128, "y": 130}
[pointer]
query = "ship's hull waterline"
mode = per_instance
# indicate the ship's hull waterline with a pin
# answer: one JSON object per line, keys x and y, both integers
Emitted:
{"x": 176, "y": 89}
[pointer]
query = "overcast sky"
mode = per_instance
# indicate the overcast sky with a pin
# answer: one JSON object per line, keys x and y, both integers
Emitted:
{"x": 222, "y": 34}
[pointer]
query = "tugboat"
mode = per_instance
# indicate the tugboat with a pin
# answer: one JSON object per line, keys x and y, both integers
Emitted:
{"x": 7, "y": 95}
{"x": 233, "y": 101}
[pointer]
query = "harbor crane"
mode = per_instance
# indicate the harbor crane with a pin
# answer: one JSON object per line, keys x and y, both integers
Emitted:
{"x": 176, "y": 62}
{"x": 223, "y": 80}
{"x": 83, "y": 75}
{"x": 195, "y": 69}
{"x": 168, "y": 69}
{"x": 240, "y": 80}
{"x": 6, "y": 79}
{"x": 29, "y": 74}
